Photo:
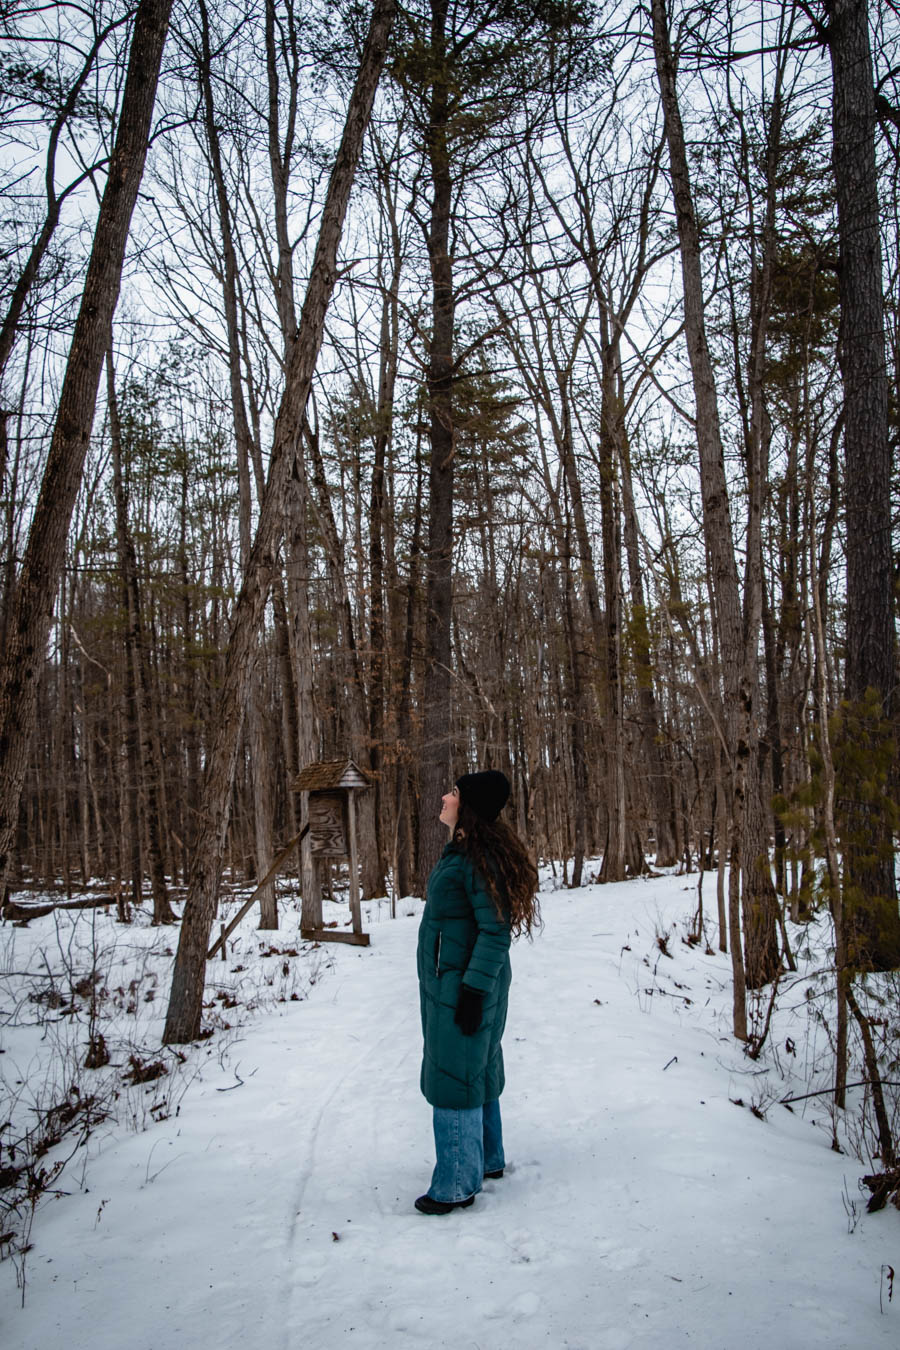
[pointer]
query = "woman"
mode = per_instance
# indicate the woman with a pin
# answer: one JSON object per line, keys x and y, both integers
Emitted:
{"x": 481, "y": 893}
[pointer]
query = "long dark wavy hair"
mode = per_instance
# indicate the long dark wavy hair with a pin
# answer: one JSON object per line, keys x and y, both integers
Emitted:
{"x": 502, "y": 859}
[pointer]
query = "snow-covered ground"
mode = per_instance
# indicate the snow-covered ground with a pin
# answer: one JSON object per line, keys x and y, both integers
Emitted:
{"x": 641, "y": 1207}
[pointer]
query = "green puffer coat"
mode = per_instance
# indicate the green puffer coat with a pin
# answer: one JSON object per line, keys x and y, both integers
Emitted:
{"x": 462, "y": 939}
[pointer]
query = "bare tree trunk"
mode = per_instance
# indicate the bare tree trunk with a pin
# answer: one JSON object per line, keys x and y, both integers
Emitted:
{"x": 260, "y": 768}
{"x": 45, "y": 552}
{"x": 64, "y": 739}
{"x": 132, "y": 824}
{"x": 297, "y": 634}
{"x": 404, "y": 854}
{"x": 714, "y": 488}
{"x": 773, "y": 735}
{"x": 138, "y": 680}
{"x": 576, "y": 695}
{"x": 660, "y": 791}
{"x": 435, "y": 771}
{"x": 734, "y": 645}
{"x": 354, "y": 702}
{"x": 610, "y": 438}
{"x": 260, "y": 780}
{"x": 192, "y": 749}
{"x": 390, "y": 346}
{"x": 760, "y": 903}
{"x": 843, "y": 970}
{"x": 280, "y": 152}
{"x": 721, "y": 838}
{"x": 870, "y": 891}
{"x": 301, "y": 650}
{"x": 185, "y": 1003}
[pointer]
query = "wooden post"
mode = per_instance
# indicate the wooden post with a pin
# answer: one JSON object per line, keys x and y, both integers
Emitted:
{"x": 354, "y": 862}
{"x": 270, "y": 876}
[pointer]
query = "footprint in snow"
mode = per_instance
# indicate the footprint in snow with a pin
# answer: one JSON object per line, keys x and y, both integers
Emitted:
{"x": 527, "y": 1248}
{"x": 410, "y": 1318}
{"x": 525, "y": 1305}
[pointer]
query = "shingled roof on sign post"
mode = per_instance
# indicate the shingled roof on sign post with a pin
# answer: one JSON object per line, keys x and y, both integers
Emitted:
{"x": 328, "y": 774}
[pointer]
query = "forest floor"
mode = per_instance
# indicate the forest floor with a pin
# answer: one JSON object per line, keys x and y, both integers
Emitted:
{"x": 657, "y": 1193}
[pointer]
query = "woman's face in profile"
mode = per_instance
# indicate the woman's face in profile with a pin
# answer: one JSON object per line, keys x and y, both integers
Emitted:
{"x": 450, "y": 808}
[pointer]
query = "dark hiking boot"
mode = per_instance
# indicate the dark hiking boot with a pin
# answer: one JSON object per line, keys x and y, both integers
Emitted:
{"x": 425, "y": 1205}
{"x": 493, "y": 1176}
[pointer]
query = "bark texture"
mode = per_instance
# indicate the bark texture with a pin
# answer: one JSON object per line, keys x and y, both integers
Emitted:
{"x": 436, "y": 768}
{"x": 870, "y": 885}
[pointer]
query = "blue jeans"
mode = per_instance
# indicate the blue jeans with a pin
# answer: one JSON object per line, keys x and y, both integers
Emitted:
{"x": 467, "y": 1144}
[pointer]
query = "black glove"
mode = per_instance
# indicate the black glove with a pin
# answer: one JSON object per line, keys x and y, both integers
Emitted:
{"x": 469, "y": 1010}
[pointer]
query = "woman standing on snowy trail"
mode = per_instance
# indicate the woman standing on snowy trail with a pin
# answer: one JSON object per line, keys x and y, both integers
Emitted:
{"x": 481, "y": 893}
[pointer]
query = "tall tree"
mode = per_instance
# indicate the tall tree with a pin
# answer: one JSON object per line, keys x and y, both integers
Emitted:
{"x": 870, "y": 891}
{"x": 436, "y": 767}
{"x": 31, "y": 608}
{"x": 258, "y": 750}
{"x": 186, "y": 996}
{"x": 750, "y": 843}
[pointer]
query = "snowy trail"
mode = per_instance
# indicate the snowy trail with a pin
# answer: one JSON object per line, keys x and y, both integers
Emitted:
{"x": 640, "y": 1209}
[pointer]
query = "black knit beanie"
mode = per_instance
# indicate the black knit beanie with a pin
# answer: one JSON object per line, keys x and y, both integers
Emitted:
{"x": 485, "y": 793}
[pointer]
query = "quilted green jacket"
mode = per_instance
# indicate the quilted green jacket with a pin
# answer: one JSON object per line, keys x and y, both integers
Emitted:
{"x": 462, "y": 939}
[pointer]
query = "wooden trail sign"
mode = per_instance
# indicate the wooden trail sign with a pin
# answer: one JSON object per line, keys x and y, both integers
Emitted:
{"x": 332, "y": 786}
{"x": 328, "y": 826}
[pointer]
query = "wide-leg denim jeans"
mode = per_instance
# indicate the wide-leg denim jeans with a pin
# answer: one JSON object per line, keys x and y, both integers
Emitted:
{"x": 467, "y": 1144}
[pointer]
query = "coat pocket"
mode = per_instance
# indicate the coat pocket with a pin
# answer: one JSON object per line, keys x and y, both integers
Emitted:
{"x": 437, "y": 955}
